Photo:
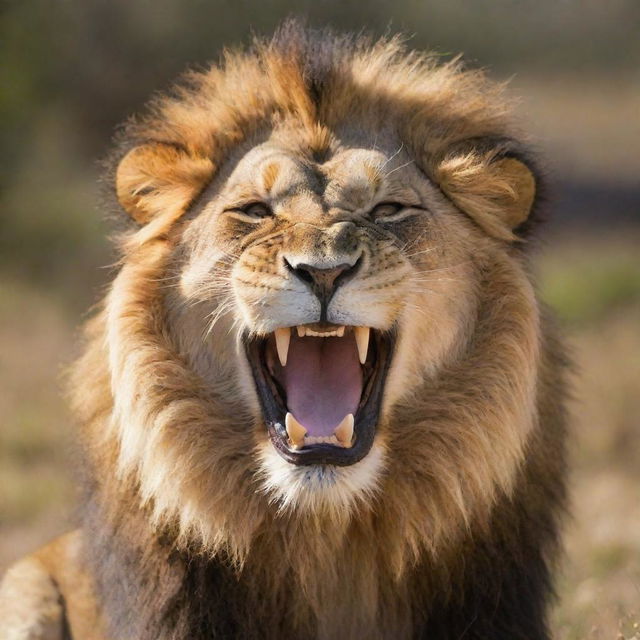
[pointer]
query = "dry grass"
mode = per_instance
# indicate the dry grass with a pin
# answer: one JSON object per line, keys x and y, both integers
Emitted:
{"x": 35, "y": 483}
{"x": 595, "y": 285}
{"x": 599, "y": 588}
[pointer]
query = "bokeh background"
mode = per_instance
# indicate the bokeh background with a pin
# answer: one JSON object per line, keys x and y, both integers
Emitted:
{"x": 73, "y": 69}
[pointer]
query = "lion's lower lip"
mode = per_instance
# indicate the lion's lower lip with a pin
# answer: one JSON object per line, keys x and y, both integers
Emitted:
{"x": 321, "y": 420}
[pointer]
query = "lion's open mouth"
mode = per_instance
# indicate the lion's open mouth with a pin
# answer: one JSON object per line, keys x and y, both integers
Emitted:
{"x": 320, "y": 387}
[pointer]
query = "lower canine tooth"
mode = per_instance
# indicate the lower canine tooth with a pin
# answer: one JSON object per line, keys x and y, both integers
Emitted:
{"x": 295, "y": 430}
{"x": 344, "y": 431}
{"x": 362, "y": 340}
{"x": 283, "y": 337}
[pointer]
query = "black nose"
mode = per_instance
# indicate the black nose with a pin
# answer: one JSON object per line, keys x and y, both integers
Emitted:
{"x": 324, "y": 282}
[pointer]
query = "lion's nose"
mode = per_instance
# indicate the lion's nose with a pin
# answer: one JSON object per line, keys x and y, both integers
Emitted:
{"x": 324, "y": 282}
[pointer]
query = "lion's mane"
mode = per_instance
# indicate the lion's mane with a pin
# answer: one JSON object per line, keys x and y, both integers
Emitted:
{"x": 174, "y": 515}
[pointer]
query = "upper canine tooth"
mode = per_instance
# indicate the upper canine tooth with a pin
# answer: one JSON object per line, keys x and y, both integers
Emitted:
{"x": 362, "y": 340}
{"x": 295, "y": 430}
{"x": 344, "y": 431}
{"x": 301, "y": 331}
{"x": 283, "y": 337}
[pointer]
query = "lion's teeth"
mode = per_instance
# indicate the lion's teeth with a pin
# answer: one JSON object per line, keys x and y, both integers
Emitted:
{"x": 283, "y": 337}
{"x": 306, "y": 331}
{"x": 295, "y": 431}
{"x": 344, "y": 431}
{"x": 298, "y": 438}
{"x": 362, "y": 340}
{"x": 321, "y": 440}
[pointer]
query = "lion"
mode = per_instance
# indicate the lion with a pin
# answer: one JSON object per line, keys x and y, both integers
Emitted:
{"x": 321, "y": 398}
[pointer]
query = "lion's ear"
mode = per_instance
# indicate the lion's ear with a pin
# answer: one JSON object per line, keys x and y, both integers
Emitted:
{"x": 158, "y": 178}
{"x": 497, "y": 191}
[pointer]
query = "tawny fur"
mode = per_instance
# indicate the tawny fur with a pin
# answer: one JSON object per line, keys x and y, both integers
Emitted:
{"x": 187, "y": 505}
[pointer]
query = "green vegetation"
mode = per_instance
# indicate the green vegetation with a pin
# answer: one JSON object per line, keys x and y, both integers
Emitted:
{"x": 585, "y": 283}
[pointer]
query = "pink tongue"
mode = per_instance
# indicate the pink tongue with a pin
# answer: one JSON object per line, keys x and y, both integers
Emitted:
{"x": 323, "y": 381}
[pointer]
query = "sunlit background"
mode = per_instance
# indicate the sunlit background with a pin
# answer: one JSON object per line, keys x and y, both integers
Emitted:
{"x": 73, "y": 69}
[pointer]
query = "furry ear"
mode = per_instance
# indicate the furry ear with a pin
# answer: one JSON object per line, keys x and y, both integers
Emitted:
{"x": 497, "y": 190}
{"x": 158, "y": 178}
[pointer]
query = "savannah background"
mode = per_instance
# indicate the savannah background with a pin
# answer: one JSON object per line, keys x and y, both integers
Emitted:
{"x": 72, "y": 69}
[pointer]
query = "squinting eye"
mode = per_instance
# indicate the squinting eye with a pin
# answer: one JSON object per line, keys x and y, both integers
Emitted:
{"x": 256, "y": 210}
{"x": 387, "y": 211}
{"x": 253, "y": 212}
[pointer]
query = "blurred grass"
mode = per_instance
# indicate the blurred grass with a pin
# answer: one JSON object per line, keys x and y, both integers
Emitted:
{"x": 593, "y": 283}
{"x": 36, "y": 488}
{"x": 35, "y": 338}
{"x": 586, "y": 283}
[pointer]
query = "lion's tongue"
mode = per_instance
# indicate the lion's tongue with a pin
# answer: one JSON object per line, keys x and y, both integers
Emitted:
{"x": 323, "y": 381}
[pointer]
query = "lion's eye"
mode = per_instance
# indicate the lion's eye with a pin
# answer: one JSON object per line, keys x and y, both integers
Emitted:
{"x": 256, "y": 210}
{"x": 388, "y": 211}
{"x": 253, "y": 212}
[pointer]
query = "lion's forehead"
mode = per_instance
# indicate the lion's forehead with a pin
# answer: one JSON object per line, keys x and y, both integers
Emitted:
{"x": 348, "y": 179}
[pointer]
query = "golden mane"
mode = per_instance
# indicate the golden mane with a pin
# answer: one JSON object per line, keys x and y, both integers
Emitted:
{"x": 465, "y": 507}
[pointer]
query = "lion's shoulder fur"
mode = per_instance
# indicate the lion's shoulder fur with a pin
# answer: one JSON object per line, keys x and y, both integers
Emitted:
{"x": 49, "y": 595}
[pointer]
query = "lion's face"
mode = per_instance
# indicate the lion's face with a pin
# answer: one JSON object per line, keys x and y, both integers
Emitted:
{"x": 329, "y": 288}
{"x": 323, "y": 308}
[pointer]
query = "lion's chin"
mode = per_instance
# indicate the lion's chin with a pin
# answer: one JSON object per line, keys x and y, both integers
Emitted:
{"x": 321, "y": 388}
{"x": 321, "y": 490}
